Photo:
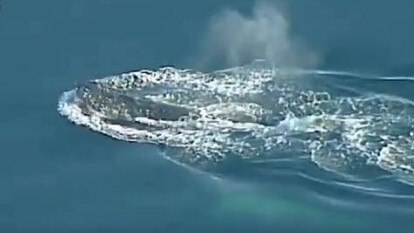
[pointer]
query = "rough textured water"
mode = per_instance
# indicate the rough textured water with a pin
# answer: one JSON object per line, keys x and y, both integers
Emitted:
{"x": 256, "y": 114}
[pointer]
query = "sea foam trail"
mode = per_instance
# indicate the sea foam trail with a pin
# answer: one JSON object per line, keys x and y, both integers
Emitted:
{"x": 251, "y": 113}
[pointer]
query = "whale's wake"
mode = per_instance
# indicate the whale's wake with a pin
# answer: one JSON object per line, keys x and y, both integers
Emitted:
{"x": 251, "y": 113}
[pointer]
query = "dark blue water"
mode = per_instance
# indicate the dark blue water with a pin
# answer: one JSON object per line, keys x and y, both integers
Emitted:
{"x": 56, "y": 177}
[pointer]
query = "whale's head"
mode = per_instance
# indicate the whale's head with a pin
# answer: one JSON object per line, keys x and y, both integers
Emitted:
{"x": 94, "y": 98}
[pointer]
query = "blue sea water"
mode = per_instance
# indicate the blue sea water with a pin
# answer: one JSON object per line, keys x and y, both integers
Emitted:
{"x": 57, "y": 177}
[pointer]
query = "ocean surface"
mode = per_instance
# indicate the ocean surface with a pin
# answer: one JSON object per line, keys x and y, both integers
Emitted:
{"x": 354, "y": 169}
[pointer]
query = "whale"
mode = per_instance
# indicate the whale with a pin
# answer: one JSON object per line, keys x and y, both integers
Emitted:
{"x": 252, "y": 114}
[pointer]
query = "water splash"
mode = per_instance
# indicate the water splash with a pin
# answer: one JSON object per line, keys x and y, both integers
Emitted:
{"x": 265, "y": 33}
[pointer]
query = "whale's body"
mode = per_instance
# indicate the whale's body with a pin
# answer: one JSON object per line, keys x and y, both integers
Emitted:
{"x": 250, "y": 113}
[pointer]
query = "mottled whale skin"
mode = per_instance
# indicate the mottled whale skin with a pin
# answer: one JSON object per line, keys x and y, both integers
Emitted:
{"x": 112, "y": 104}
